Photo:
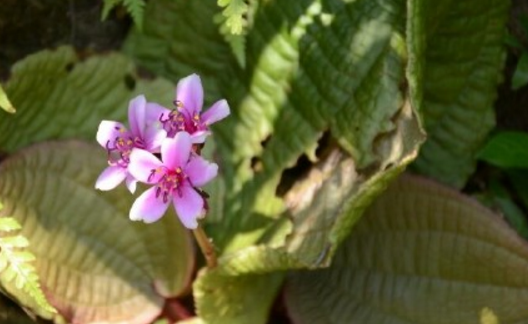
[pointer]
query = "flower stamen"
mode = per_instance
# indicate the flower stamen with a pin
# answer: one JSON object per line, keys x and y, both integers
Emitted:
{"x": 170, "y": 182}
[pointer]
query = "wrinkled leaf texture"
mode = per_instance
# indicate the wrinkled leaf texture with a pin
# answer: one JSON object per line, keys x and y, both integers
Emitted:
{"x": 94, "y": 264}
{"x": 422, "y": 254}
{"x": 329, "y": 71}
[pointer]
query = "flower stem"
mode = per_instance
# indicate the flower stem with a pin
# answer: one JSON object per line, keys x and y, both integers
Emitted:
{"x": 206, "y": 246}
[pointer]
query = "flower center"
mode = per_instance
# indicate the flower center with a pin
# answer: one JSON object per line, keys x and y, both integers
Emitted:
{"x": 177, "y": 121}
{"x": 169, "y": 183}
{"x": 119, "y": 150}
{"x": 173, "y": 123}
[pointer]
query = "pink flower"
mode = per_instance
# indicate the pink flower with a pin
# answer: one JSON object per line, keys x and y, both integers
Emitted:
{"x": 145, "y": 133}
{"x": 188, "y": 117}
{"x": 175, "y": 180}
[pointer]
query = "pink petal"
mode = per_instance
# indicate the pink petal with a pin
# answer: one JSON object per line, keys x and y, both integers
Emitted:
{"x": 110, "y": 178}
{"x": 175, "y": 151}
{"x": 189, "y": 206}
{"x": 154, "y": 136}
{"x": 141, "y": 165}
{"x": 131, "y": 183}
{"x": 200, "y": 171}
{"x": 199, "y": 137}
{"x": 190, "y": 92}
{"x": 219, "y": 110}
{"x": 108, "y": 131}
{"x": 137, "y": 115}
{"x": 154, "y": 113}
{"x": 147, "y": 207}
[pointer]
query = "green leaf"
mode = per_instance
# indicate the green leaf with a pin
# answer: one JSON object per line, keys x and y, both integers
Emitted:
{"x": 519, "y": 181}
{"x": 95, "y": 264}
{"x": 514, "y": 215}
{"x": 108, "y": 5}
{"x": 67, "y": 98}
{"x": 14, "y": 242}
{"x": 328, "y": 71}
{"x": 237, "y": 42}
{"x": 506, "y": 150}
{"x": 463, "y": 63}
{"x": 422, "y": 254}
{"x": 14, "y": 264}
{"x": 512, "y": 41}
{"x": 234, "y": 11}
{"x": 5, "y": 104}
{"x": 197, "y": 47}
{"x": 523, "y": 20}
{"x": 135, "y": 8}
{"x": 235, "y": 299}
{"x": 498, "y": 198}
{"x": 8, "y": 224}
{"x": 520, "y": 76}
{"x": 76, "y": 96}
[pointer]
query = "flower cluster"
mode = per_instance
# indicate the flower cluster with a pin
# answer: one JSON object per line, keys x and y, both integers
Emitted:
{"x": 174, "y": 136}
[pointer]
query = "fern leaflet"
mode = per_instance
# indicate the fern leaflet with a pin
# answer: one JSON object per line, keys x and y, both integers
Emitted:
{"x": 5, "y": 104}
{"x": 15, "y": 262}
{"x": 108, "y": 5}
{"x": 234, "y": 11}
{"x": 134, "y": 7}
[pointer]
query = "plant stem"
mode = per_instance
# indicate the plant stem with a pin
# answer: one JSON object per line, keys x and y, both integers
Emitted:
{"x": 206, "y": 246}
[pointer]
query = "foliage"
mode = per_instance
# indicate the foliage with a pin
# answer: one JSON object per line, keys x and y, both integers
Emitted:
{"x": 399, "y": 263}
{"x": 15, "y": 263}
{"x": 459, "y": 85}
{"x": 520, "y": 74}
{"x": 234, "y": 11}
{"x": 5, "y": 104}
{"x": 88, "y": 253}
{"x": 506, "y": 150}
{"x": 134, "y": 7}
{"x": 330, "y": 102}
{"x": 280, "y": 89}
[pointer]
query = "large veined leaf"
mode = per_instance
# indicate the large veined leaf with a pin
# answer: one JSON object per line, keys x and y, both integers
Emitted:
{"x": 463, "y": 63}
{"x": 280, "y": 110}
{"x": 59, "y": 96}
{"x": 422, "y": 253}
{"x": 95, "y": 265}
{"x": 312, "y": 67}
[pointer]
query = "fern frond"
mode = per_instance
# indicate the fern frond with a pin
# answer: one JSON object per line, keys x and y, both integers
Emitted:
{"x": 8, "y": 224}
{"x": 15, "y": 262}
{"x": 108, "y": 5}
{"x": 5, "y": 104}
{"x": 135, "y": 9}
{"x": 236, "y": 42}
{"x": 234, "y": 11}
